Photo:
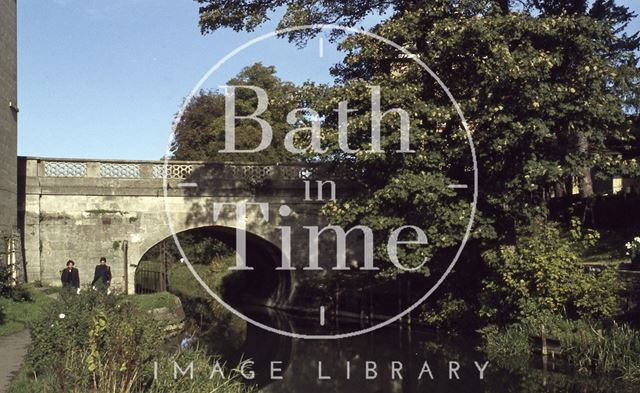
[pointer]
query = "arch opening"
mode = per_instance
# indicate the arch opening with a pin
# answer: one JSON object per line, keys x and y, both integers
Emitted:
{"x": 212, "y": 252}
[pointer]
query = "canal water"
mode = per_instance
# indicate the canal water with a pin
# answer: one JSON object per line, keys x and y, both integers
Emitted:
{"x": 392, "y": 359}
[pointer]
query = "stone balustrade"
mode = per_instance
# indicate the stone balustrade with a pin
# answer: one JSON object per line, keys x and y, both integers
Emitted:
{"x": 68, "y": 168}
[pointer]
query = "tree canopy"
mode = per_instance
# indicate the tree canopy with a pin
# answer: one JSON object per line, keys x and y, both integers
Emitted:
{"x": 200, "y": 134}
{"x": 548, "y": 89}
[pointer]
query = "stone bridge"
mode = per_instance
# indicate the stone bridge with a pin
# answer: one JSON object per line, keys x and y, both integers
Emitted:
{"x": 85, "y": 209}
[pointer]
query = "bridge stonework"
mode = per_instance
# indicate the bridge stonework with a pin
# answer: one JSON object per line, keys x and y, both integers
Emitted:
{"x": 85, "y": 209}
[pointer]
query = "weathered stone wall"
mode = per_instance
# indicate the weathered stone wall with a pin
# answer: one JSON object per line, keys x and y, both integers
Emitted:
{"x": 82, "y": 210}
{"x": 8, "y": 115}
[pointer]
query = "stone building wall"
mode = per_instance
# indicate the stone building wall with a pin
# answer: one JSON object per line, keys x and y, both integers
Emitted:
{"x": 8, "y": 116}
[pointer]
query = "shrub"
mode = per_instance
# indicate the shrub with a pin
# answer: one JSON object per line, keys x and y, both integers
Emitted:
{"x": 9, "y": 288}
{"x": 93, "y": 342}
{"x": 102, "y": 343}
{"x": 204, "y": 380}
{"x": 20, "y": 293}
{"x": 541, "y": 274}
{"x": 6, "y": 281}
{"x": 446, "y": 313}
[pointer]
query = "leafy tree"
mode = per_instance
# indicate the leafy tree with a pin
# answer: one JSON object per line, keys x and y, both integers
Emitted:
{"x": 616, "y": 49}
{"x": 546, "y": 86}
{"x": 200, "y": 246}
{"x": 545, "y": 96}
{"x": 249, "y": 14}
{"x": 200, "y": 135}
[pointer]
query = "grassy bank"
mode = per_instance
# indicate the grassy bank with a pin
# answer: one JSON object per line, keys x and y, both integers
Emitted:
{"x": 182, "y": 283}
{"x": 152, "y": 301}
{"x": 221, "y": 331}
{"x": 106, "y": 343}
{"x": 24, "y": 382}
{"x": 19, "y": 314}
{"x": 588, "y": 347}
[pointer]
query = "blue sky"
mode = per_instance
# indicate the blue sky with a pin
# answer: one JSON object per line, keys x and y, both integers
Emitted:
{"x": 103, "y": 79}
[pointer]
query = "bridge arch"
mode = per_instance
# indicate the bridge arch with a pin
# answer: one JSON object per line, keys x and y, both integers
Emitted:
{"x": 263, "y": 284}
{"x": 84, "y": 209}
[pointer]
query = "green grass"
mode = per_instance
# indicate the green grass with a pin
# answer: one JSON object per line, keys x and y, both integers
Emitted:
{"x": 589, "y": 347}
{"x": 23, "y": 381}
{"x": 610, "y": 247}
{"x": 183, "y": 283}
{"x": 153, "y": 300}
{"x": 19, "y": 314}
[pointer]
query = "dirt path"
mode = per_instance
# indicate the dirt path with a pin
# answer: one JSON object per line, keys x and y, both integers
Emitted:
{"x": 13, "y": 349}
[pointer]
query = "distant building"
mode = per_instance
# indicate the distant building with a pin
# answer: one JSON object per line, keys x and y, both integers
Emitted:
{"x": 8, "y": 126}
{"x": 620, "y": 184}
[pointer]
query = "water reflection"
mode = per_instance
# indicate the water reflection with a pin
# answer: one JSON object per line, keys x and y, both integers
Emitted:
{"x": 392, "y": 359}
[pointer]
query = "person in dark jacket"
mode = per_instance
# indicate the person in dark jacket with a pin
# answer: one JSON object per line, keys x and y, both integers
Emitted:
{"x": 102, "y": 273}
{"x": 70, "y": 276}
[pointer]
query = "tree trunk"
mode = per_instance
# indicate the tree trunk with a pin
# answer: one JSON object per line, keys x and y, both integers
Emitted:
{"x": 504, "y": 6}
{"x": 560, "y": 190}
{"x": 586, "y": 185}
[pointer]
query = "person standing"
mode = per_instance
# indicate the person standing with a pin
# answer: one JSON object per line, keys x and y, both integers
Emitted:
{"x": 70, "y": 276}
{"x": 102, "y": 273}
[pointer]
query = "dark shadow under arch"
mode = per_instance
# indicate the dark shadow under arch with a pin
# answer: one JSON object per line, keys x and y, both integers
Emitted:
{"x": 263, "y": 285}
